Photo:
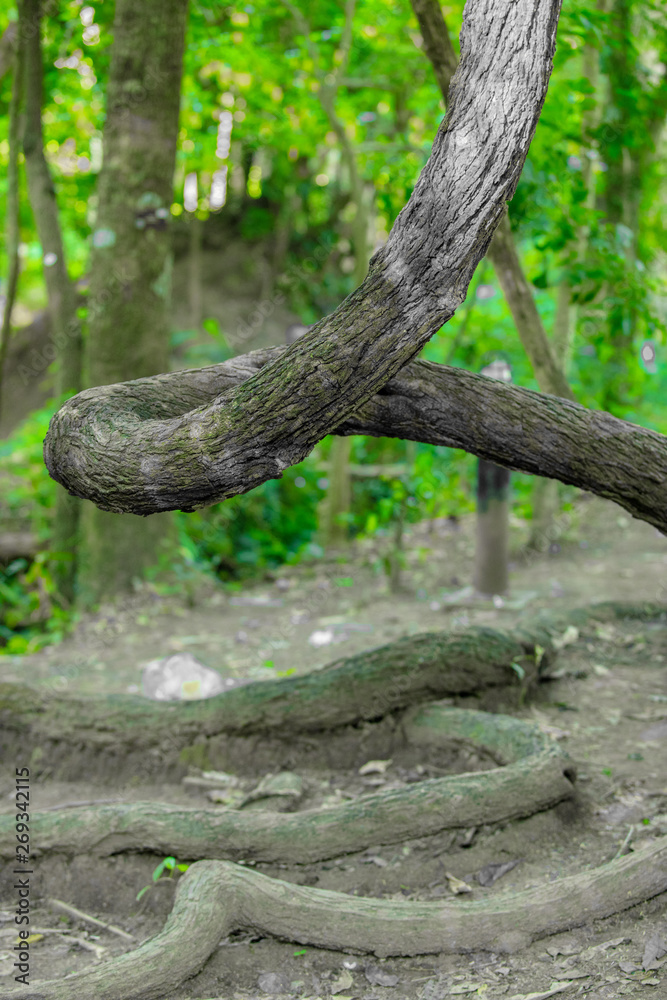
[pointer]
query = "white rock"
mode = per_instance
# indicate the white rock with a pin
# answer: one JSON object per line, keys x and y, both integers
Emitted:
{"x": 180, "y": 678}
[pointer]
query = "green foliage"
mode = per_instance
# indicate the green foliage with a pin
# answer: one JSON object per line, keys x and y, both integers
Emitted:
{"x": 29, "y": 615}
{"x": 250, "y": 111}
{"x": 270, "y": 525}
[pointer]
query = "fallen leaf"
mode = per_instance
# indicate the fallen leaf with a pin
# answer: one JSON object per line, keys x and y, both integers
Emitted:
{"x": 343, "y": 982}
{"x": 614, "y": 943}
{"x": 492, "y": 872}
{"x": 456, "y": 885}
{"x": 654, "y": 949}
{"x": 464, "y": 988}
{"x": 573, "y": 973}
{"x": 558, "y": 988}
{"x": 563, "y": 949}
{"x": 378, "y": 977}
{"x": 374, "y": 766}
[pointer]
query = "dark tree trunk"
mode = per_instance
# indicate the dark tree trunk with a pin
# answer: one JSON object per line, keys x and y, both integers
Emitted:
{"x": 491, "y": 553}
{"x": 129, "y": 299}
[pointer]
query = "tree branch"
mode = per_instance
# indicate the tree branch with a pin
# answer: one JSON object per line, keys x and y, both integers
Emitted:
{"x": 502, "y": 252}
{"x": 131, "y": 462}
{"x": 511, "y": 426}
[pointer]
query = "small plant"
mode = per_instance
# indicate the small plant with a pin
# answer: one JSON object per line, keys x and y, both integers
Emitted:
{"x": 167, "y": 864}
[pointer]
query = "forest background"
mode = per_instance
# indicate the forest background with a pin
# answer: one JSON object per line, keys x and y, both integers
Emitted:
{"x": 288, "y": 146}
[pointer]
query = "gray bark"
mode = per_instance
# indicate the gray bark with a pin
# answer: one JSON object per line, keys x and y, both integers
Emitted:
{"x": 132, "y": 462}
{"x": 215, "y": 898}
{"x": 518, "y": 428}
{"x": 502, "y": 252}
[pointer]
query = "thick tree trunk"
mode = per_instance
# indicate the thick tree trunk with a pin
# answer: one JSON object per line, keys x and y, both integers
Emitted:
{"x": 415, "y": 283}
{"x": 61, "y": 292}
{"x": 129, "y": 298}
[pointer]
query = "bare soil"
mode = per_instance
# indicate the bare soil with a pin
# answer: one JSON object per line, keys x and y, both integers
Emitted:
{"x": 608, "y": 707}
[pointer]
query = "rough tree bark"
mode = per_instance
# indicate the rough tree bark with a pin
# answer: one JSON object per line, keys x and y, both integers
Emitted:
{"x": 502, "y": 253}
{"x": 526, "y": 772}
{"x": 215, "y": 898}
{"x": 415, "y": 283}
{"x": 181, "y": 445}
{"x": 130, "y": 268}
{"x": 520, "y": 429}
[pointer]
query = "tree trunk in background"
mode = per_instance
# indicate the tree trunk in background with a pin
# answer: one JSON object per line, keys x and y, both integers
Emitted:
{"x": 491, "y": 575}
{"x": 194, "y": 272}
{"x": 545, "y": 491}
{"x": 545, "y": 499}
{"x": 129, "y": 299}
{"x": 635, "y": 116}
{"x": 338, "y": 500}
{"x": 519, "y": 297}
{"x": 12, "y": 221}
{"x": 66, "y": 339}
{"x": 617, "y": 194}
{"x": 548, "y": 360}
{"x": 491, "y": 552}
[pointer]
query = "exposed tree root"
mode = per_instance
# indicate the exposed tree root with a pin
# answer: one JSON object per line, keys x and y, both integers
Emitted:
{"x": 116, "y": 732}
{"x": 217, "y": 897}
{"x": 537, "y": 775}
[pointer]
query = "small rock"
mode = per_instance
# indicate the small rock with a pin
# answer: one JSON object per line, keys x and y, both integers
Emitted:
{"x": 180, "y": 677}
{"x": 378, "y": 977}
{"x": 271, "y": 982}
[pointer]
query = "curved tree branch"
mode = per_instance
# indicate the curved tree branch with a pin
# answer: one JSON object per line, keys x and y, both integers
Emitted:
{"x": 511, "y": 426}
{"x": 502, "y": 252}
{"x": 416, "y": 281}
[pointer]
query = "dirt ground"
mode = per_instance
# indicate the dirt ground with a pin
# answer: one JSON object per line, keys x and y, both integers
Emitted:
{"x": 607, "y": 707}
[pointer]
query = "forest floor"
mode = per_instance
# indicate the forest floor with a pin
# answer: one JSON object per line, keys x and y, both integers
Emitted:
{"x": 607, "y": 707}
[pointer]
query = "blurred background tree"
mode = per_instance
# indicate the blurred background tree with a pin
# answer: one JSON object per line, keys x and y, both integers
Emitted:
{"x": 301, "y": 132}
